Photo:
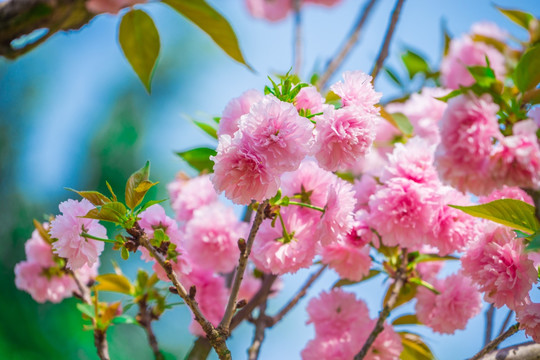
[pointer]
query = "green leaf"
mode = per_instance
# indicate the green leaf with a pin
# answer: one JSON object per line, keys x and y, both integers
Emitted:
{"x": 414, "y": 347}
{"x": 212, "y": 23}
{"x": 514, "y": 213}
{"x": 534, "y": 245}
{"x": 94, "y": 197}
{"x": 414, "y": 63}
{"x": 450, "y": 95}
{"x": 521, "y": 234}
{"x": 115, "y": 283}
{"x": 124, "y": 252}
{"x": 483, "y": 75}
{"x": 145, "y": 185}
{"x": 393, "y": 76}
{"x": 527, "y": 73}
{"x": 139, "y": 39}
{"x": 41, "y": 231}
{"x": 124, "y": 319}
{"x": 409, "y": 319}
{"x": 199, "y": 158}
{"x": 150, "y": 203}
{"x": 403, "y": 123}
{"x": 134, "y": 197}
{"x": 112, "y": 212}
{"x": 433, "y": 257}
{"x": 346, "y": 282}
{"x": 521, "y": 18}
{"x": 406, "y": 294}
{"x": 425, "y": 284}
{"x": 111, "y": 191}
{"x": 210, "y": 130}
{"x": 86, "y": 309}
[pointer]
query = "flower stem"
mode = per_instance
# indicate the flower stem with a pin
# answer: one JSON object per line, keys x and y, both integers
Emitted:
{"x": 88, "y": 236}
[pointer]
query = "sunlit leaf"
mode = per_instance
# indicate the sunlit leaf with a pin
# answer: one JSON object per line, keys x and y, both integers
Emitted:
{"x": 403, "y": 123}
{"x": 146, "y": 205}
{"x": 510, "y": 212}
{"x": 95, "y": 197}
{"x": 115, "y": 283}
{"x": 86, "y": 309}
{"x": 527, "y": 73}
{"x": 409, "y": 319}
{"x": 124, "y": 319}
{"x": 134, "y": 197}
{"x": 424, "y": 283}
{"x": 393, "y": 76}
{"x": 433, "y": 257}
{"x": 139, "y": 39}
{"x": 484, "y": 76}
{"x": 414, "y": 347}
{"x": 346, "y": 282}
{"x": 112, "y": 212}
{"x": 414, "y": 63}
{"x": 211, "y": 22}
{"x": 521, "y": 18}
{"x": 406, "y": 294}
{"x": 41, "y": 231}
{"x": 199, "y": 158}
{"x": 210, "y": 130}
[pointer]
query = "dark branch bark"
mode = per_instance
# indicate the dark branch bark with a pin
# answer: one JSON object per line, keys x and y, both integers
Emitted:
{"x": 347, "y": 46}
{"x": 490, "y": 313}
{"x": 527, "y": 351}
{"x": 145, "y": 318}
{"x": 493, "y": 344}
{"x": 383, "y": 53}
{"x": 22, "y": 17}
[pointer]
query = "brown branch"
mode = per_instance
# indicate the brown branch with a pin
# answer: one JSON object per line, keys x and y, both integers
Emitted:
{"x": 245, "y": 250}
{"x": 145, "y": 318}
{"x": 346, "y": 48}
{"x": 200, "y": 350}
{"x": 261, "y": 324}
{"x": 299, "y": 295}
{"x": 493, "y": 344}
{"x": 100, "y": 337}
{"x": 525, "y": 351}
{"x": 22, "y": 17}
{"x": 297, "y": 47}
{"x": 214, "y": 337}
{"x": 506, "y": 321}
{"x": 383, "y": 52}
{"x": 490, "y": 313}
{"x": 400, "y": 279}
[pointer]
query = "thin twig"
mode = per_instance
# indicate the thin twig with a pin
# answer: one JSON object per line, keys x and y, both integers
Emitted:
{"x": 245, "y": 250}
{"x": 506, "y": 321}
{"x": 100, "y": 337}
{"x": 383, "y": 52}
{"x": 490, "y": 313}
{"x": 346, "y": 48}
{"x": 145, "y": 319}
{"x": 400, "y": 279}
{"x": 297, "y": 46}
{"x": 493, "y": 344}
{"x": 216, "y": 339}
{"x": 525, "y": 351}
{"x": 260, "y": 327}
{"x": 299, "y": 295}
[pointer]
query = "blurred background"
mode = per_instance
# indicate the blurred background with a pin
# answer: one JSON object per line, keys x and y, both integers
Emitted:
{"x": 73, "y": 114}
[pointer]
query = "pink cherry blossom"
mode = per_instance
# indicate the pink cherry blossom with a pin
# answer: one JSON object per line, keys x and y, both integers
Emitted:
{"x": 497, "y": 264}
{"x": 516, "y": 161}
{"x": 274, "y": 129}
{"x": 155, "y": 218}
{"x": 349, "y": 261}
{"x": 429, "y": 270}
{"x": 413, "y": 161}
{"x": 507, "y": 192}
{"x": 343, "y": 136}
{"x": 211, "y": 238}
{"x": 322, "y": 2}
{"x": 275, "y": 254}
{"x": 309, "y": 99}
{"x": 110, "y": 6}
{"x": 336, "y": 312}
{"x": 333, "y": 348}
{"x": 465, "y": 52}
{"x": 187, "y": 195}
{"x": 450, "y": 310}
{"x": 387, "y": 346}
{"x": 528, "y": 317}
{"x": 271, "y": 10}
{"x": 402, "y": 211}
{"x": 235, "y": 109}
{"x": 363, "y": 189}
{"x": 337, "y": 219}
{"x": 39, "y": 250}
{"x": 468, "y": 128}
{"x": 32, "y": 278}
{"x": 67, "y": 228}
{"x": 242, "y": 172}
{"x": 357, "y": 90}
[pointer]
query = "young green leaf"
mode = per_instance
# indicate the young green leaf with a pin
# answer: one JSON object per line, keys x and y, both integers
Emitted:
{"x": 483, "y": 75}
{"x": 115, "y": 283}
{"x": 150, "y": 203}
{"x": 95, "y": 197}
{"x": 139, "y": 39}
{"x": 211, "y": 22}
{"x": 403, "y": 123}
{"x": 521, "y": 18}
{"x": 86, "y": 309}
{"x": 414, "y": 347}
{"x": 113, "y": 195}
{"x": 409, "y": 319}
{"x": 124, "y": 252}
{"x": 527, "y": 73}
{"x": 199, "y": 158}
{"x": 514, "y": 213}
{"x": 134, "y": 197}
{"x": 113, "y": 212}
{"x": 124, "y": 319}
{"x": 346, "y": 282}
{"x": 425, "y": 284}
{"x": 414, "y": 63}
{"x": 393, "y": 76}
{"x": 210, "y": 130}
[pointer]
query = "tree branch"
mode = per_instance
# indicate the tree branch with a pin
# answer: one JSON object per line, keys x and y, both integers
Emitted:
{"x": 493, "y": 344}
{"x": 245, "y": 250}
{"x": 345, "y": 49}
{"x": 145, "y": 318}
{"x": 261, "y": 324}
{"x": 383, "y": 52}
{"x": 22, "y": 17}
{"x": 526, "y": 351}
{"x": 490, "y": 312}
{"x": 506, "y": 321}
{"x": 200, "y": 350}
{"x": 400, "y": 279}
{"x": 299, "y": 295}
